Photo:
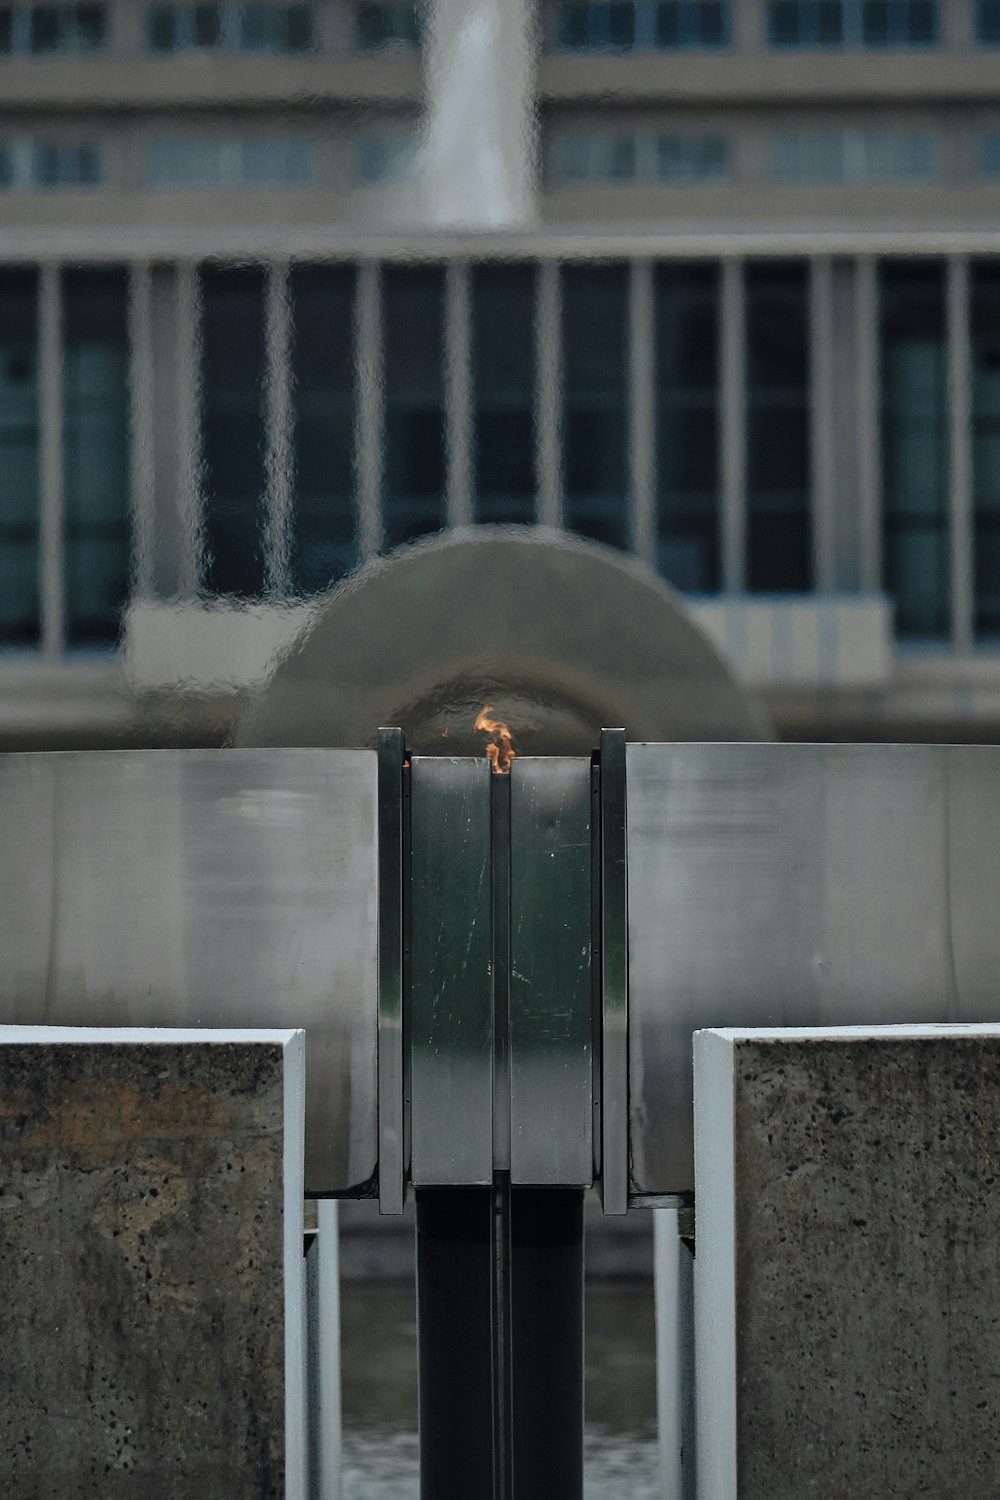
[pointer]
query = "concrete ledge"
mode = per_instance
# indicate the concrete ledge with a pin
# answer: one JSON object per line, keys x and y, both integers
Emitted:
{"x": 847, "y": 1281}
{"x": 152, "y": 1312}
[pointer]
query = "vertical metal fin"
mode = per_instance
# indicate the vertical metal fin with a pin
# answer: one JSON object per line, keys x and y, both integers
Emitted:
{"x": 614, "y": 976}
{"x": 391, "y": 1159}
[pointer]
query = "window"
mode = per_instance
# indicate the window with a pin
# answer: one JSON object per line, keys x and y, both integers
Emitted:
{"x": 621, "y": 25}
{"x": 985, "y": 328}
{"x": 65, "y": 164}
{"x": 232, "y": 427}
{"x": 323, "y": 541}
{"x": 691, "y": 23}
{"x": 598, "y": 26}
{"x": 838, "y": 157}
{"x": 387, "y": 25}
{"x": 275, "y": 28}
{"x": 52, "y": 28}
{"x": 779, "y": 528}
{"x": 915, "y": 447}
{"x": 595, "y": 156}
{"x": 687, "y": 422}
{"x": 852, "y": 23}
{"x": 630, "y": 156}
{"x": 988, "y": 154}
{"x": 987, "y": 22}
{"x": 696, "y": 158}
{"x": 19, "y": 598}
{"x": 246, "y": 28}
{"x": 95, "y": 450}
{"x": 385, "y": 158}
{"x": 413, "y": 315}
{"x": 503, "y": 387}
{"x": 805, "y": 23}
{"x": 175, "y": 163}
{"x": 595, "y": 401}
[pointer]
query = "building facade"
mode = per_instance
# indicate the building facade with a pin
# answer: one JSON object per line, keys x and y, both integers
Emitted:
{"x": 283, "y": 286}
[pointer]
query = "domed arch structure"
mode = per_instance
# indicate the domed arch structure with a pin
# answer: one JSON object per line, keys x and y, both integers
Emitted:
{"x": 560, "y": 635}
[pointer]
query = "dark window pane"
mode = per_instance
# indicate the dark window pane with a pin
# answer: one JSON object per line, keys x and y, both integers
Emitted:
{"x": 875, "y": 23}
{"x": 783, "y": 23}
{"x": 95, "y": 447}
{"x": 830, "y": 23}
{"x": 207, "y": 25}
{"x": 19, "y": 610}
{"x": 414, "y": 401}
{"x": 923, "y": 21}
{"x": 90, "y": 27}
{"x": 6, "y": 28}
{"x": 162, "y": 28}
{"x": 232, "y": 429}
{"x": 713, "y": 24}
{"x": 915, "y": 447}
{"x": 324, "y": 543}
{"x": 594, "y": 332}
{"x": 988, "y": 21}
{"x": 985, "y": 326}
{"x": 503, "y": 317}
{"x": 687, "y": 341}
{"x": 621, "y": 25}
{"x": 298, "y": 20}
{"x": 779, "y": 533}
{"x": 6, "y": 166}
{"x": 44, "y": 28}
{"x": 668, "y": 24}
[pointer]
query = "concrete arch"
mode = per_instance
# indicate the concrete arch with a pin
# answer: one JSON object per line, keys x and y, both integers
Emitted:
{"x": 562, "y": 636}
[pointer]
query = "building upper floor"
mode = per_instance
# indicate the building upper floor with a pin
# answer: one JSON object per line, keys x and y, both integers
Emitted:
{"x": 241, "y": 182}
{"x": 138, "y": 53}
{"x": 808, "y": 448}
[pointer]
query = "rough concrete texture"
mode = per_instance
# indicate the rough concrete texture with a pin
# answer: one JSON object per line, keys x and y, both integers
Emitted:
{"x": 142, "y": 1343}
{"x": 866, "y": 1260}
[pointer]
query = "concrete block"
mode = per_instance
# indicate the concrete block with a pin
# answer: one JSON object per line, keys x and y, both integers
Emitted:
{"x": 847, "y": 1277}
{"x": 151, "y": 1268}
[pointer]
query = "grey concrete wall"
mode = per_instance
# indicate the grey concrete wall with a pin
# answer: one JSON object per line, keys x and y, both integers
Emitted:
{"x": 847, "y": 1291}
{"x": 150, "y": 1244}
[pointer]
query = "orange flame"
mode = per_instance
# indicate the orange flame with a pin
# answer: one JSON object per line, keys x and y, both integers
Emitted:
{"x": 499, "y": 751}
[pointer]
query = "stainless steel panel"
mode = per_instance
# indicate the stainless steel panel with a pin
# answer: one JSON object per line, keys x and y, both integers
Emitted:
{"x": 614, "y": 977}
{"x": 391, "y": 1144}
{"x": 551, "y": 1024}
{"x": 799, "y": 884}
{"x": 451, "y": 1022}
{"x": 203, "y": 888}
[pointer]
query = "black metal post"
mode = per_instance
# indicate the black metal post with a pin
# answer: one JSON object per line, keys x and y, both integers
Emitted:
{"x": 453, "y": 1342}
{"x": 459, "y": 1409}
{"x": 547, "y": 1315}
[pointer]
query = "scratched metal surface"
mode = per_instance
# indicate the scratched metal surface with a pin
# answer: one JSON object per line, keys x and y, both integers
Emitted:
{"x": 228, "y": 888}
{"x": 551, "y": 1026}
{"x": 799, "y": 884}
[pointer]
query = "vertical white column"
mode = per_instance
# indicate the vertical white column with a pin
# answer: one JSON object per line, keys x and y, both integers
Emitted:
{"x": 142, "y": 464}
{"x": 369, "y": 409}
{"x": 642, "y": 410}
{"x": 960, "y": 452}
{"x": 278, "y": 435}
{"x": 323, "y": 1342}
{"x": 548, "y": 425}
{"x": 51, "y": 495}
{"x": 673, "y": 1271}
{"x": 869, "y": 423}
{"x": 823, "y": 466}
{"x": 733, "y": 426}
{"x": 458, "y": 393}
{"x": 189, "y": 463}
